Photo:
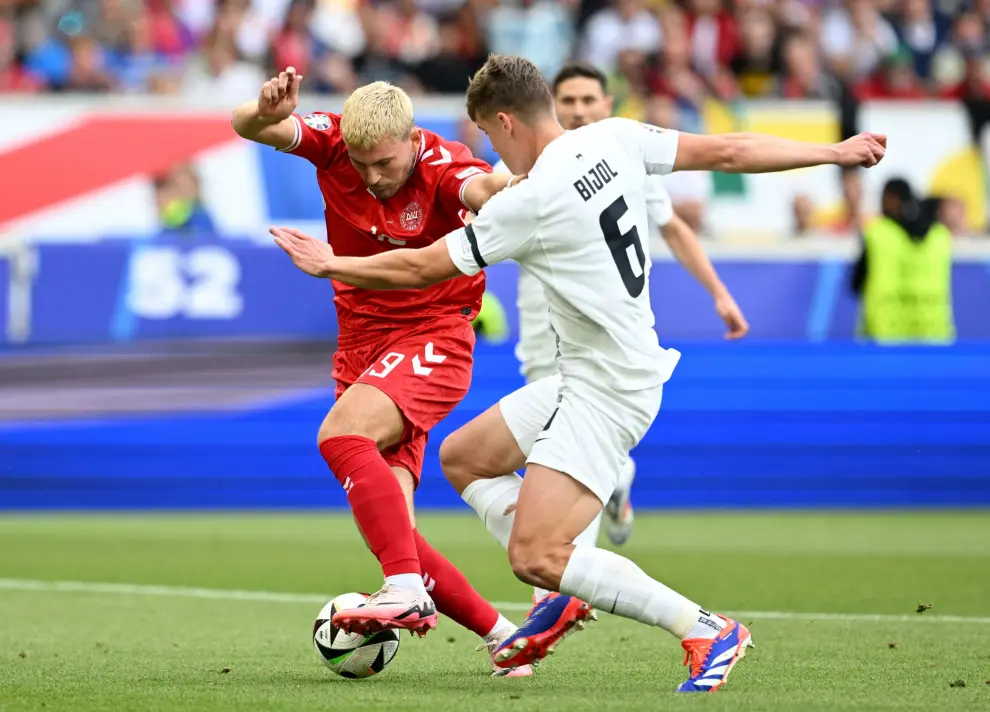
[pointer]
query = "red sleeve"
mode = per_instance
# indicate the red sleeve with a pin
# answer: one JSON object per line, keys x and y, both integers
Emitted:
{"x": 457, "y": 168}
{"x": 317, "y": 138}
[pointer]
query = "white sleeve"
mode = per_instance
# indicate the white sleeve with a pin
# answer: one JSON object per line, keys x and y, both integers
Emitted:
{"x": 658, "y": 204}
{"x": 657, "y": 147}
{"x": 503, "y": 230}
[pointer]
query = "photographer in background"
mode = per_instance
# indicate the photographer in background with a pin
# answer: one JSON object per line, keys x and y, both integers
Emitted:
{"x": 904, "y": 274}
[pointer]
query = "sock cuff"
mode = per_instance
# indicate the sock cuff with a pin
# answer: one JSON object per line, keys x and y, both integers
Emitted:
{"x": 481, "y": 494}
{"x": 338, "y": 450}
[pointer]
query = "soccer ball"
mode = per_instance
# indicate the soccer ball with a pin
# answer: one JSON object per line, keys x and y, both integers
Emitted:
{"x": 350, "y": 655}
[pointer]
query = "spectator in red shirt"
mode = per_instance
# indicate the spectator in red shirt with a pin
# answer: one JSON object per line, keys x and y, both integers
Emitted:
{"x": 894, "y": 80}
{"x": 803, "y": 77}
{"x": 713, "y": 34}
{"x": 12, "y": 77}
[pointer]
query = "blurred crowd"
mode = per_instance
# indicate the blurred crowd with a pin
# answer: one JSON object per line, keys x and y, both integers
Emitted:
{"x": 665, "y": 59}
{"x": 684, "y": 50}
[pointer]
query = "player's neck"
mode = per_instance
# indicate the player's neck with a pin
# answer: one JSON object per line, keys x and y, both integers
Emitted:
{"x": 545, "y": 133}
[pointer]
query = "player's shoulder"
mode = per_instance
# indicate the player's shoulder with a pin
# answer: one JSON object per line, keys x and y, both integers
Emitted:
{"x": 627, "y": 128}
{"x": 322, "y": 121}
{"x": 517, "y": 205}
{"x": 435, "y": 150}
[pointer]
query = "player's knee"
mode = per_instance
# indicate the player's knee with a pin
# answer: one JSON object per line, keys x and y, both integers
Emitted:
{"x": 531, "y": 562}
{"x": 344, "y": 421}
{"x": 455, "y": 461}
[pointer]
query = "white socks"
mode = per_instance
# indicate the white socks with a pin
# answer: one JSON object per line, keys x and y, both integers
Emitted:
{"x": 407, "y": 582}
{"x": 607, "y": 581}
{"x": 501, "y": 625}
{"x": 616, "y": 585}
{"x": 495, "y": 502}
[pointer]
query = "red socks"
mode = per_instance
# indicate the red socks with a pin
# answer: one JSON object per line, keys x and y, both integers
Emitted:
{"x": 376, "y": 500}
{"x": 451, "y": 592}
{"x": 379, "y": 507}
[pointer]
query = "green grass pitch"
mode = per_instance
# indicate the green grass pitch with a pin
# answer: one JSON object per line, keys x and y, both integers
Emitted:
{"x": 127, "y": 648}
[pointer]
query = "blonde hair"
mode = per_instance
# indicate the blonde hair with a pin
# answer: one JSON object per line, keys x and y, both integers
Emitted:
{"x": 376, "y": 112}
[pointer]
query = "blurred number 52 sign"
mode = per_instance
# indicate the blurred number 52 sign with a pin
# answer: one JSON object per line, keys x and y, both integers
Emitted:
{"x": 201, "y": 283}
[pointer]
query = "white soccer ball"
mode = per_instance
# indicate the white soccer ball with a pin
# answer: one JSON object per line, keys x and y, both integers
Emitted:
{"x": 350, "y": 655}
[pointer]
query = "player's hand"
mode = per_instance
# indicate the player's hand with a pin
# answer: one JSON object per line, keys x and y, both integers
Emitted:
{"x": 516, "y": 180}
{"x": 864, "y": 150}
{"x": 732, "y": 315}
{"x": 310, "y": 255}
{"x": 280, "y": 95}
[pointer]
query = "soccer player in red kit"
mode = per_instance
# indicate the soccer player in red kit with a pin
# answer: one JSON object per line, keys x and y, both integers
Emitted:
{"x": 404, "y": 357}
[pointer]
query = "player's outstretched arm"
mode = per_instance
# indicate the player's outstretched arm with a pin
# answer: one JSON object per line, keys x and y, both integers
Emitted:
{"x": 762, "y": 153}
{"x": 687, "y": 250}
{"x": 267, "y": 120}
{"x": 395, "y": 269}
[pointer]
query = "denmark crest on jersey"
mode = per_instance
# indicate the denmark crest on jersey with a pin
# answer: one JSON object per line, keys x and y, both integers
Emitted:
{"x": 320, "y": 122}
{"x": 412, "y": 217}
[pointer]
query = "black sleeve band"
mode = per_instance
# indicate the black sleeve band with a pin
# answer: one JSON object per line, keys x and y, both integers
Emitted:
{"x": 469, "y": 231}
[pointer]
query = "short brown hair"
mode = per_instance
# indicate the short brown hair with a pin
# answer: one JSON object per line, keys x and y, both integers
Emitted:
{"x": 508, "y": 84}
{"x": 574, "y": 70}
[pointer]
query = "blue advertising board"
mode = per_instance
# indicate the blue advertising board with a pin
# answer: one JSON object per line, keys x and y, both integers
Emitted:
{"x": 125, "y": 290}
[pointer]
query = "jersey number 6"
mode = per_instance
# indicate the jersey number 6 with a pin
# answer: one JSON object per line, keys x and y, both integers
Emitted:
{"x": 619, "y": 243}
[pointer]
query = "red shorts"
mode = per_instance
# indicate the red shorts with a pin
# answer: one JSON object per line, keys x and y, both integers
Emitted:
{"x": 425, "y": 371}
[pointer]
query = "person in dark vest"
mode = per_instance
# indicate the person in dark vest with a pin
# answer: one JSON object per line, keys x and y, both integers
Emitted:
{"x": 904, "y": 274}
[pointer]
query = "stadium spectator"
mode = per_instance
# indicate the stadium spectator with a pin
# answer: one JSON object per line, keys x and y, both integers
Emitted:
{"x": 220, "y": 72}
{"x": 181, "y": 211}
{"x": 448, "y": 71}
{"x": 895, "y": 79}
{"x": 904, "y": 274}
{"x": 802, "y": 76}
{"x": 855, "y": 37}
{"x": 713, "y": 35}
{"x": 540, "y": 30}
{"x": 623, "y": 25}
{"x": 922, "y": 30}
{"x": 756, "y": 64}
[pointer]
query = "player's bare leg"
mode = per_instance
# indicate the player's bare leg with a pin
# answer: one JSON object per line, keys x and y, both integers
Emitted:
{"x": 553, "y": 507}
{"x": 475, "y": 459}
{"x": 362, "y": 422}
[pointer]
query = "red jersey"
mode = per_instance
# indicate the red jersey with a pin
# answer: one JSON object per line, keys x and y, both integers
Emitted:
{"x": 429, "y": 205}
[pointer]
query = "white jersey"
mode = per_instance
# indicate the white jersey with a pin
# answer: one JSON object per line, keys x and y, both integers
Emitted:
{"x": 659, "y": 207}
{"x": 536, "y": 349}
{"x": 579, "y": 225}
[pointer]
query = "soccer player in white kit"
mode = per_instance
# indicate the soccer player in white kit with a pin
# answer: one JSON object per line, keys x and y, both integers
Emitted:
{"x": 581, "y": 97}
{"x": 576, "y": 224}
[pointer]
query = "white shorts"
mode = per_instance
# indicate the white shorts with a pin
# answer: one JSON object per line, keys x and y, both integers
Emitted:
{"x": 578, "y": 429}
{"x": 537, "y": 347}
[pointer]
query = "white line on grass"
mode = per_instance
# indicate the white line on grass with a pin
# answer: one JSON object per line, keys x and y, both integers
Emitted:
{"x": 128, "y": 589}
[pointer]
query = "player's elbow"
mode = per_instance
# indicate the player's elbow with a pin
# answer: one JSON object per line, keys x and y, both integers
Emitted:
{"x": 420, "y": 275}
{"x": 240, "y": 120}
{"x": 729, "y": 153}
{"x": 725, "y": 153}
